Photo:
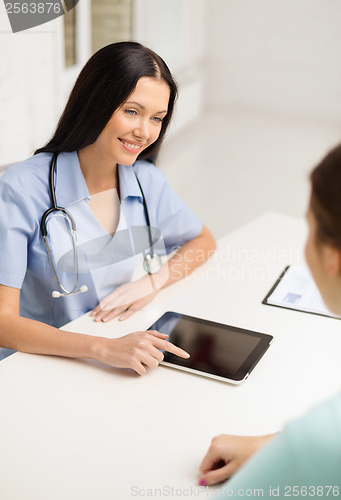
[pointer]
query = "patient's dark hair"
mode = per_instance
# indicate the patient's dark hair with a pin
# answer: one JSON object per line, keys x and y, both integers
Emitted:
{"x": 325, "y": 201}
{"x": 105, "y": 82}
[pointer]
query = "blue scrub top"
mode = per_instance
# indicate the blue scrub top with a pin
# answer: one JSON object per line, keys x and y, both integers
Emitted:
{"x": 303, "y": 461}
{"x": 24, "y": 263}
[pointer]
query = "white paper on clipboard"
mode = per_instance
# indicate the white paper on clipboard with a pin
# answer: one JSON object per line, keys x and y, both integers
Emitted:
{"x": 296, "y": 289}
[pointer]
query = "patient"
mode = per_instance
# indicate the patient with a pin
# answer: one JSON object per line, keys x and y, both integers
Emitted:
{"x": 304, "y": 459}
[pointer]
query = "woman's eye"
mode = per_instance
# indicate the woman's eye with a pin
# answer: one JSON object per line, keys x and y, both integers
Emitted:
{"x": 130, "y": 112}
{"x": 157, "y": 119}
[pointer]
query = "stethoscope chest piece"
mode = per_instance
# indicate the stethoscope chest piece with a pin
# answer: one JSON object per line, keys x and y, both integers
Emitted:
{"x": 152, "y": 263}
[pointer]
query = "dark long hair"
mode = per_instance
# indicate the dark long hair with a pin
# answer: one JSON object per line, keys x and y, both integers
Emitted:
{"x": 105, "y": 82}
{"x": 325, "y": 201}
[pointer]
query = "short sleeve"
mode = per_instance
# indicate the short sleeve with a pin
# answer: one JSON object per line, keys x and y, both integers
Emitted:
{"x": 15, "y": 230}
{"x": 177, "y": 222}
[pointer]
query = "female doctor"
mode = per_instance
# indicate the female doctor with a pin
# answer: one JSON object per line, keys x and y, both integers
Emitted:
{"x": 77, "y": 215}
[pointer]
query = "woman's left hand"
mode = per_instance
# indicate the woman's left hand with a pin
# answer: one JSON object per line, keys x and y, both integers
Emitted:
{"x": 125, "y": 300}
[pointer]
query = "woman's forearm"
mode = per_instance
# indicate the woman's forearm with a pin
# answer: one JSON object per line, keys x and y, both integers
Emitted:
{"x": 27, "y": 335}
{"x": 138, "y": 351}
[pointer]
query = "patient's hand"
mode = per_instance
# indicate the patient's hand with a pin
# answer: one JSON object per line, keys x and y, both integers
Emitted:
{"x": 226, "y": 454}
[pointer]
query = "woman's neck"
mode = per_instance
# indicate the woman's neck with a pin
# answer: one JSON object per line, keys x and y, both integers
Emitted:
{"x": 100, "y": 173}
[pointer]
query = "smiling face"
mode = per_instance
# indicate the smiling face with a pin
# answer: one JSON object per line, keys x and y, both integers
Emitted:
{"x": 324, "y": 262}
{"x": 136, "y": 124}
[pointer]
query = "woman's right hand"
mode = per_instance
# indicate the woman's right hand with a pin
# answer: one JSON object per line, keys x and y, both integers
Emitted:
{"x": 139, "y": 350}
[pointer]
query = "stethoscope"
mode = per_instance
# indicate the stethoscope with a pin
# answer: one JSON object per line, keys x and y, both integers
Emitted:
{"x": 151, "y": 262}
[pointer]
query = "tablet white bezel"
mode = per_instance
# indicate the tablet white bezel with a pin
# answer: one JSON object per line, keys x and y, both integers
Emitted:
{"x": 204, "y": 374}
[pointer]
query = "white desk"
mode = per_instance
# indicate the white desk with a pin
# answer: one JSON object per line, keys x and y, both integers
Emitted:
{"x": 73, "y": 429}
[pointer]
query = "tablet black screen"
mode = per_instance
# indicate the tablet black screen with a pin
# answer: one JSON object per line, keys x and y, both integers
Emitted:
{"x": 216, "y": 349}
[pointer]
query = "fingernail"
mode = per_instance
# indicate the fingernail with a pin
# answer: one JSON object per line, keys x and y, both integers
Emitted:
{"x": 202, "y": 482}
{"x": 121, "y": 318}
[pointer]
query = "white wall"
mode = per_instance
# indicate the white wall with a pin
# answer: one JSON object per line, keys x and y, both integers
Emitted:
{"x": 176, "y": 31}
{"x": 34, "y": 84}
{"x": 29, "y": 90}
{"x": 278, "y": 56}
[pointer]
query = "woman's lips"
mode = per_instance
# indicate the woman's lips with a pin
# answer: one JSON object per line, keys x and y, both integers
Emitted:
{"x": 132, "y": 147}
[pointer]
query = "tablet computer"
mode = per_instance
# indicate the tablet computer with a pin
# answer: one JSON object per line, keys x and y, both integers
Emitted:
{"x": 218, "y": 351}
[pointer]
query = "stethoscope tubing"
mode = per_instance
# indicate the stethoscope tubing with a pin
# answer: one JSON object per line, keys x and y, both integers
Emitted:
{"x": 54, "y": 207}
{"x": 150, "y": 258}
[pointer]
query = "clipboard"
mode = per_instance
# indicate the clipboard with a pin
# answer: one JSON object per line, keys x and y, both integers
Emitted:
{"x": 295, "y": 289}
